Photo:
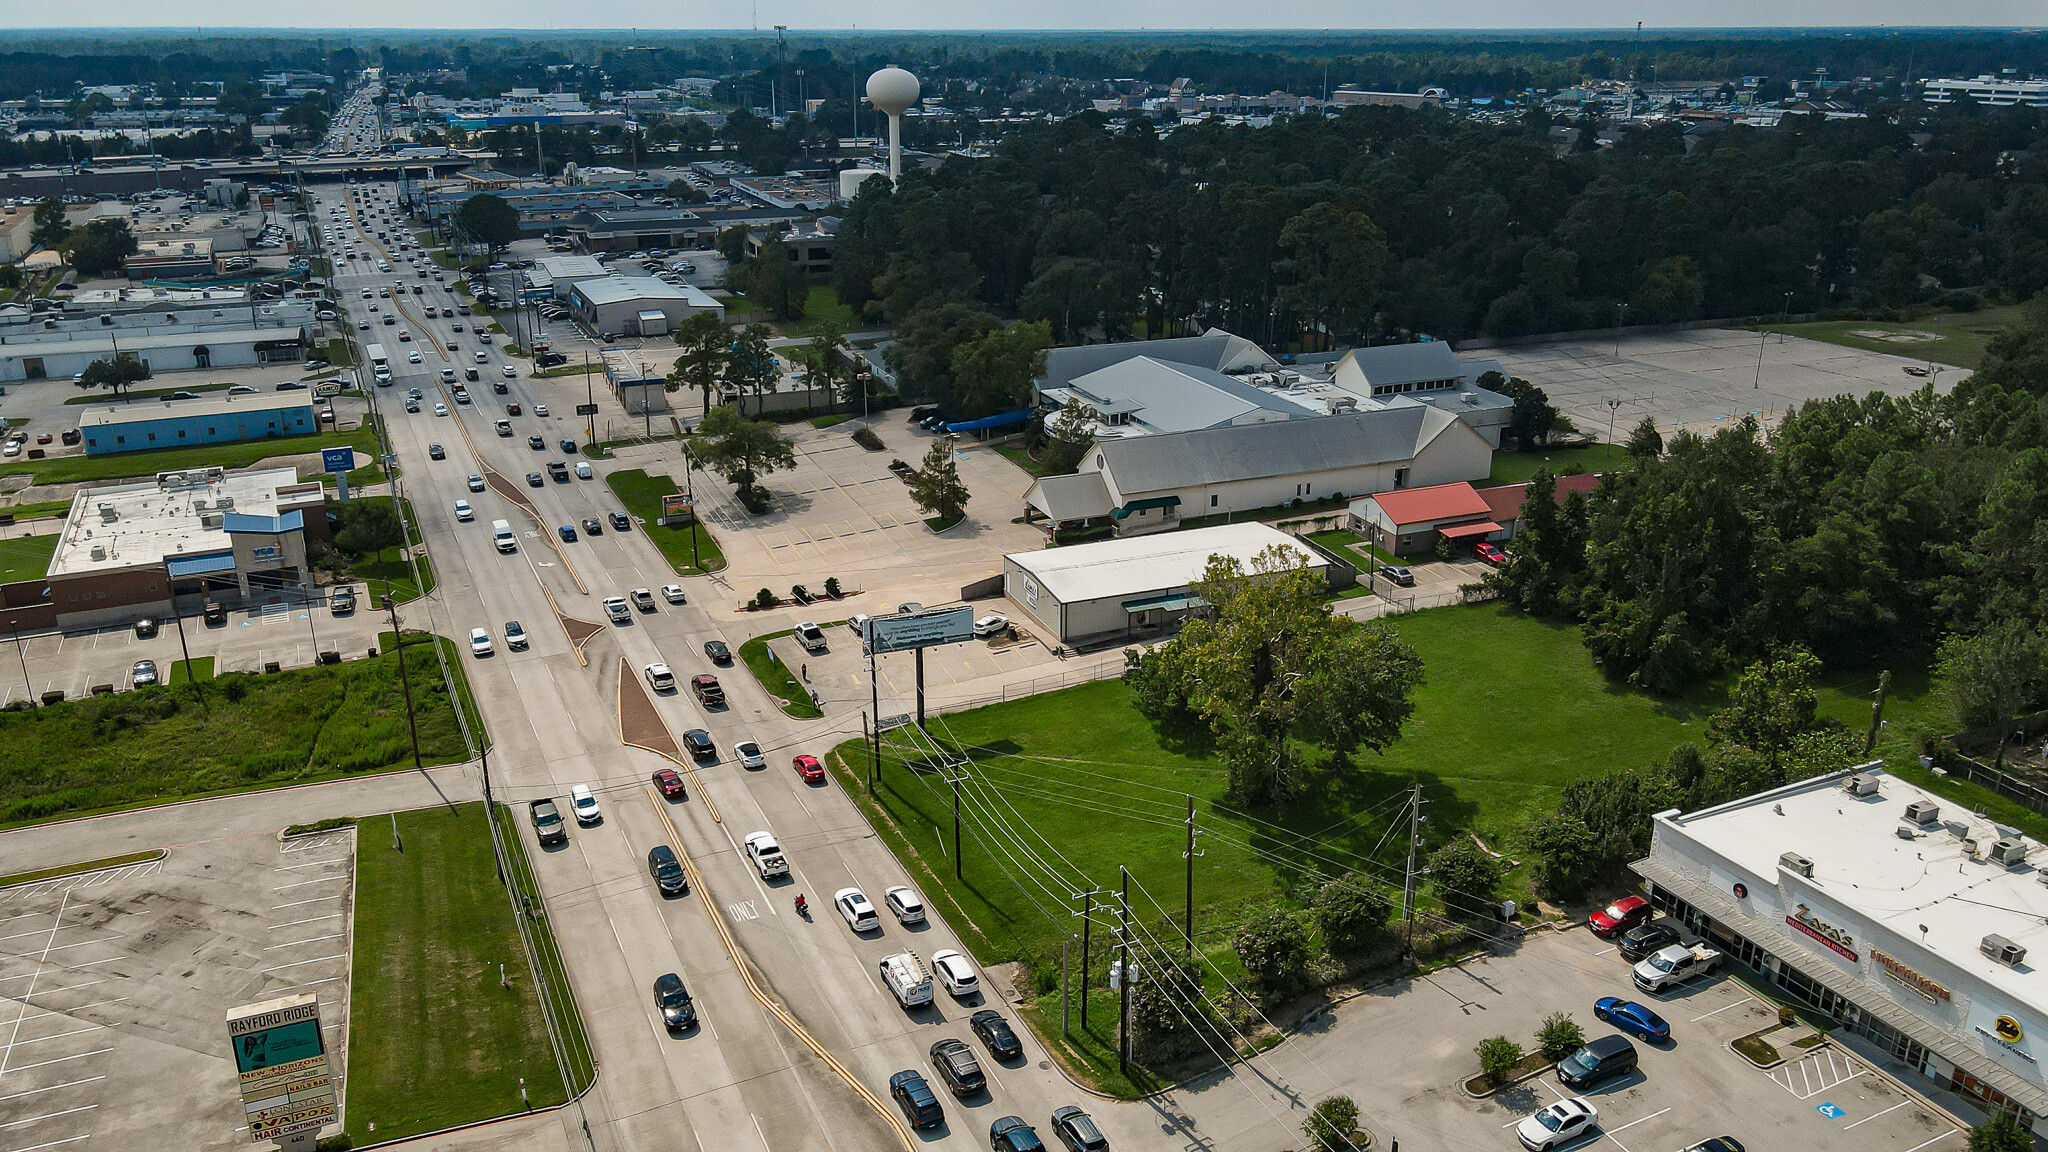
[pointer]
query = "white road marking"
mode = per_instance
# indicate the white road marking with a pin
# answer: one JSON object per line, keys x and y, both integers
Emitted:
{"x": 743, "y": 910}
{"x": 60, "y": 1060}
{"x": 761, "y": 1134}
{"x": 1936, "y": 1140}
{"x": 1886, "y": 1112}
{"x": 310, "y": 920}
{"x": 304, "y": 883}
{"x": 60, "y": 1035}
{"x": 1721, "y": 1009}
{"x": 16, "y": 1034}
{"x": 1638, "y": 1120}
{"x": 296, "y": 903}
{"x": 298, "y": 963}
{"x": 54, "y": 1143}
{"x": 51, "y": 1088}
{"x": 47, "y": 1116}
{"x": 309, "y": 864}
{"x": 310, "y": 940}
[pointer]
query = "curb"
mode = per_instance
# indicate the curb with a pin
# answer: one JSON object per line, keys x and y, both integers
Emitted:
{"x": 61, "y": 874}
{"x": 1505, "y": 1084}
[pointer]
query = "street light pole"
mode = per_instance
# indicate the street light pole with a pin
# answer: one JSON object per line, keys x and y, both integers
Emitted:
{"x": 412, "y": 721}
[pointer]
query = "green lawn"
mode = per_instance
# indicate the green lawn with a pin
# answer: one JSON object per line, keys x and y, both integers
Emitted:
{"x": 27, "y": 557}
{"x": 1347, "y": 543}
{"x": 641, "y": 494}
{"x": 37, "y": 510}
{"x": 199, "y": 667}
{"x": 822, "y": 303}
{"x": 776, "y": 677}
{"x": 239, "y": 732}
{"x": 1516, "y": 467}
{"x": 388, "y": 570}
{"x": 119, "y": 465}
{"x": 1959, "y": 337}
{"x": 435, "y": 1039}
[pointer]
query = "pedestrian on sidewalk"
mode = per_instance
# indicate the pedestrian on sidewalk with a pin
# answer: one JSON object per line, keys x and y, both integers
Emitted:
{"x": 806, "y": 669}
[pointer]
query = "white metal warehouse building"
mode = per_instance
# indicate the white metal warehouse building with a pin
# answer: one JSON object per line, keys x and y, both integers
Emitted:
{"x": 1118, "y": 589}
{"x": 637, "y": 305}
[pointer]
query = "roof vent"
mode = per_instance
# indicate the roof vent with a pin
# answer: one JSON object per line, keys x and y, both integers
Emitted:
{"x": 2009, "y": 851}
{"x": 2002, "y": 950}
{"x": 1794, "y": 862}
{"x": 1860, "y": 785}
{"x": 1970, "y": 846}
{"x": 1907, "y": 830}
{"x": 1923, "y": 812}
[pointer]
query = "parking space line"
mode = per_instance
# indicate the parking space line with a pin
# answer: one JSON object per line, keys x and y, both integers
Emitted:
{"x": 309, "y": 864}
{"x": 1886, "y": 1112}
{"x": 51, "y": 1088}
{"x": 1638, "y": 1120}
{"x": 1721, "y": 1009}
{"x": 310, "y": 940}
{"x": 296, "y": 903}
{"x": 304, "y": 883}
{"x": 56, "y": 924}
{"x": 1936, "y": 1140}
{"x": 299, "y": 963}
{"x": 59, "y": 1035}
{"x": 54, "y": 1143}
{"x": 59, "y": 1060}
{"x": 47, "y": 1116}
{"x": 309, "y": 920}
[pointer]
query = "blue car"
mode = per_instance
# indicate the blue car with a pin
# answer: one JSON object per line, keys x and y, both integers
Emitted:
{"x": 1630, "y": 1016}
{"x": 568, "y": 534}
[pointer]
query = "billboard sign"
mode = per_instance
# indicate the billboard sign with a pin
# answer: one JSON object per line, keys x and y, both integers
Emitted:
{"x": 337, "y": 459}
{"x": 281, "y": 1063}
{"x": 908, "y": 630}
{"x": 586, "y": 409}
{"x": 676, "y": 508}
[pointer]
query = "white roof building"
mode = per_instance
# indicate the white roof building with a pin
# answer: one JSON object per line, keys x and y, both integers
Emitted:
{"x": 637, "y": 305}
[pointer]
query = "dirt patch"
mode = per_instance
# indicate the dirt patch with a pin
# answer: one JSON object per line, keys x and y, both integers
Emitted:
{"x": 1756, "y": 1049}
{"x": 1895, "y": 335}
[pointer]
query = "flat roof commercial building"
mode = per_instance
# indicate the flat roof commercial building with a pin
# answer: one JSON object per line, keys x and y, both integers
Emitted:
{"x": 636, "y": 305}
{"x": 185, "y": 423}
{"x": 1117, "y": 589}
{"x": 164, "y": 351}
{"x": 1904, "y": 916}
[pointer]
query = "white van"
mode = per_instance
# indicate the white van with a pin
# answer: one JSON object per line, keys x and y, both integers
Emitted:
{"x": 583, "y": 470}
{"x": 501, "y": 533}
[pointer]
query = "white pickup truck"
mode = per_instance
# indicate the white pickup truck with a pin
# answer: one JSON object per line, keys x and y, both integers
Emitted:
{"x": 766, "y": 855}
{"x": 1672, "y": 966}
{"x": 908, "y": 979}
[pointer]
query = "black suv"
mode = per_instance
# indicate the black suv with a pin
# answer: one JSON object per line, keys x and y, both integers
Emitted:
{"x": 1602, "y": 1059}
{"x": 1077, "y": 1130}
{"x": 699, "y": 744}
{"x": 718, "y": 652}
{"x": 1647, "y": 939}
{"x": 667, "y": 870}
{"x": 620, "y": 521}
{"x": 673, "y": 1000}
{"x": 996, "y": 1033}
{"x": 919, "y": 1103}
{"x": 954, "y": 1062}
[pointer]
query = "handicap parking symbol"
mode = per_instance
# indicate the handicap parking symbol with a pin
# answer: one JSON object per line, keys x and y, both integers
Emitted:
{"x": 1828, "y": 1109}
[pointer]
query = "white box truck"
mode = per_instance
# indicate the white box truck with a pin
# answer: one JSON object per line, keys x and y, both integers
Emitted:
{"x": 501, "y": 534}
{"x": 907, "y": 979}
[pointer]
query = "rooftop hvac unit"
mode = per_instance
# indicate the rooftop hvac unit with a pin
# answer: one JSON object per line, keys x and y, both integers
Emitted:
{"x": 1907, "y": 830}
{"x": 99, "y": 552}
{"x": 1923, "y": 812}
{"x": 2002, "y": 950}
{"x": 2011, "y": 850}
{"x": 226, "y": 502}
{"x": 209, "y": 519}
{"x": 1794, "y": 862}
{"x": 1970, "y": 846}
{"x": 1860, "y": 785}
{"x": 108, "y": 513}
{"x": 1957, "y": 828}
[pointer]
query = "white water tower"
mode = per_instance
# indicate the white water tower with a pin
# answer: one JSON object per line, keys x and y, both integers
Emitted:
{"x": 892, "y": 90}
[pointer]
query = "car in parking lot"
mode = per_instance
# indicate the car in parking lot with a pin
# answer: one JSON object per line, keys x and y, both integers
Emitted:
{"x": 1717, "y": 1144}
{"x": 479, "y": 642}
{"x": 904, "y": 904}
{"x": 1646, "y": 940}
{"x": 1490, "y": 553}
{"x": 1600, "y": 1059}
{"x": 718, "y": 652}
{"x": 810, "y": 636}
{"x": 615, "y": 607}
{"x": 808, "y": 768}
{"x": 1630, "y": 1016}
{"x": 670, "y": 783}
{"x": 1077, "y": 1131}
{"x": 1560, "y": 1123}
{"x": 145, "y": 628}
{"x": 856, "y": 909}
{"x": 515, "y": 635}
{"x": 143, "y": 674}
{"x": 1620, "y": 917}
{"x": 698, "y": 743}
{"x": 749, "y": 755}
{"x": 956, "y": 973}
{"x": 920, "y": 1105}
{"x": 1398, "y": 574}
{"x": 672, "y": 1000}
{"x": 996, "y": 1034}
{"x": 954, "y": 1061}
{"x": 567, "y": 533}
{"x": 1012, "y": 1134}
{"x": 990, "y": 625}
{"x": 342, "y": 602}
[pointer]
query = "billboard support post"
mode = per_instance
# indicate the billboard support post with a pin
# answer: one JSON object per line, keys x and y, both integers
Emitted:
{"x": 920, "y": 687}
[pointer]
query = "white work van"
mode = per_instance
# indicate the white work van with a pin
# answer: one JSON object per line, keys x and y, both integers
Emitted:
{"x": 907, "y": 979}
{"x": 501, "y": 533}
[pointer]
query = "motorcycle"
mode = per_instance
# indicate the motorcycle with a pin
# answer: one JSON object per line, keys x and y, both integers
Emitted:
{"x": 803, "y": 908}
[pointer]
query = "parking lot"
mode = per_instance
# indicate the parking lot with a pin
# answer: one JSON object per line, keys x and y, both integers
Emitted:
{"x": 1405, "y": 1049}
{"x": 116, "y": 985}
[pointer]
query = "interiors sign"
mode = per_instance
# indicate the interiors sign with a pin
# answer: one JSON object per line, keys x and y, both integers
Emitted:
{"x": 1829, "y": 935}
{"x": 1891, "y": 967}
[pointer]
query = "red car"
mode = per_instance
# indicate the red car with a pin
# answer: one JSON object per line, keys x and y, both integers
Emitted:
{"x": 809, "y": 768}
{"x": 1624, "y": 914}
{"x": 1490, "y": 553}
{"x": 671, "y": 784}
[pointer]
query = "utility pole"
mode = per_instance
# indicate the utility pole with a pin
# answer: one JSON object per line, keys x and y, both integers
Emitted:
{"x": 1087, "y": 907}
{"x": 398, "y": 642}
{"x": 1123, "y": 1004}
{"x": 1066, "y": 990}
{"x": 956, "y": 829}
{"x": 1408, "y": 886}
{"x": 1884, "y": 681}
{"x": 1188, "y": 919}
{"x": 875, "y": 701}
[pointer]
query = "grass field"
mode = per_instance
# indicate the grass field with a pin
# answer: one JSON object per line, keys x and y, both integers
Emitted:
{"x": 388, "y": 570}
{"x": 1345, "y": 542}
{"x": 201, "y": 668}
{"x": 236, "y": 733}
{"x": 1959, "y": 337}
{"x": 27, "y": 557}
{"x": 434, "y": 1039}
{"x": 82, "y": 469}
{"x": 776, "y": 677}
{"x": 1516, "y": 467}
{"x": 641, "y": 494}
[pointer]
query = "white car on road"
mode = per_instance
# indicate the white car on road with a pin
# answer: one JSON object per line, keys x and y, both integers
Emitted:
{"x": 479, "y": 642}
{"x": 673, "y": 593}
{"x": 463, "y": 511}
{"x": 956, "y": 973}
{"x": 584, "y": 804}
{"x": 659, "y": 677}
{"x": 904, "y": 903}
{"x": 857, "y": 909}
{"x": 766, "y": 855}
{"x": 615, "y": 607}
{"x": 749, "y": 755}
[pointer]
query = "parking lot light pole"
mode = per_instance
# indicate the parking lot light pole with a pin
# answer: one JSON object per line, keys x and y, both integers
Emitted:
{"x": 28, "y": 686}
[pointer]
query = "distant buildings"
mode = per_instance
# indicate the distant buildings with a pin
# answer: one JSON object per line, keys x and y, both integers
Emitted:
{"x": 1990, "y": 91}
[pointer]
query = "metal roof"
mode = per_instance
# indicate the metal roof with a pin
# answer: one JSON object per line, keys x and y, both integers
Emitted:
{"x": 1149, "y": 565}
{"x": 622, "y": 289}
{"x": 184, "y": 566}
{"x": 1281, "y": 448}
{"x": 243, "y": 404}
{"x": 1436, "y": 502}
{"x": 1081, "y": 496}
{"x": 1407, "y": 363}
{"x": 1214, "y": 350}
{"x": 1172, "y": 397}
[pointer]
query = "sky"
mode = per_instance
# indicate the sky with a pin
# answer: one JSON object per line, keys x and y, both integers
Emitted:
{"x": 1040, "y": 14}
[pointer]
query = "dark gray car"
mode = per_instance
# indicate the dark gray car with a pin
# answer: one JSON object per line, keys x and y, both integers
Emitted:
{"x": 673, "y": 1002}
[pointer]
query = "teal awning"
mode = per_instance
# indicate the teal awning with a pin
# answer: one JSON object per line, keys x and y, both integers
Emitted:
{"x": 1148, "y": 502}
{"x": 1169, "y": 602}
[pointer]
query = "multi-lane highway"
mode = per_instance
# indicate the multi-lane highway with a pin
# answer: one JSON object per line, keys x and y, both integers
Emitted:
{"x": 743, "y": 1079}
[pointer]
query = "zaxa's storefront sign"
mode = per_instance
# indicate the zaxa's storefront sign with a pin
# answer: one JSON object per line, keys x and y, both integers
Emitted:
{"x": 1911, "y": 978}
{"x": 1803, "y": 919}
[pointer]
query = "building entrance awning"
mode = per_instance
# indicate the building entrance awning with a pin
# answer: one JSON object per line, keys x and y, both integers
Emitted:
{"x": 1460, "y": 531}
{"x": 1148, "y": 502}
{"x": 185, "y": 567}
{"x": 1167, "y": 602}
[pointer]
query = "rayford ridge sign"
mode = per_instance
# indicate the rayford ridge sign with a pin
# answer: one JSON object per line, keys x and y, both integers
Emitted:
{"x": 281, "y": 1067}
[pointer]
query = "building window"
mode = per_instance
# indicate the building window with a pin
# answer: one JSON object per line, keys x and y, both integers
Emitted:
{"x": 181, "y": 433}
{"x": 1212, "y": 501}
{"x": 152, "y": 436}
{"x": 1400, "y": 477}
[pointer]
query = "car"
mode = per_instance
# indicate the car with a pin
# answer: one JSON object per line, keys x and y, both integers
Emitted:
{"x": 667, "y": 870}
{"x": 479, "y": 642}
{"x": 954, "y": 1061}
{"x": 904, "y": 904}
{"x": 515, "y": 635}
{"x": 672, "y": 1000}
{"x": 919, "y": 1103}
{"x": 541, "y": 410}
{"x": 766, "y": 854}
{"x": 413, "y": 357}
{"x": 698, "y": 743}
{"x": 536, "y": 443}
{"x": 809, "y": 636}
{"x": 510, "y": 374}
{"x": 808, "y": 768}
{"x": 615, "y": 607}
{"x": 1597, "y": 1060}
{"x": 996, "y": 1034}
{"x": 990, "y": 625}
{"x": 1717, "y": 1144}
{"x": 673, "y": 593}
{"x": 412, "y": 405}
{"x": 956, "y": 973}
{"x": 567, "y": 533}
{"x": 1012, "y": 1134}
{"x": 642, "y": 598}
{"x": 415, "y": 393}
{"x": 749, "y": 755}
{"x": 707, "y": 690}
{"x": 592, "y": 526}
{"x": 584, "y": 804}
{"x": 436, "y": 452}
{"x": 1398, "y": 574}
{"x": 1630, "y": 1016}
{"x": 1620, "y": 916}
{"x": 1490, "y": 553}
{"x": 476, "y": 483}
{"x": 620, "y": 521}
{"x": 718, "y": 652}
{"x": 215, "y": 612}
{"x": 463, "y": 511}
{"x": 1914, "y": 370}
{"x": 512, "y": 408}
{"x": 342, "y": 602}
{"x": 440, "y": 409}
{"x": 659, "y": 677}
{"x": 534, "y": 480}
{"x": 1076, "y": 1129}
{"x": 670, "y": 783}
{"x": 145, "y": 628}
{"x": 856, "y": 909}
{"x": 1646, "y": 940}
{"x": 143, "y": 674}
{"x": 1560, "y": 1123}
{"x": 568, "y": 445}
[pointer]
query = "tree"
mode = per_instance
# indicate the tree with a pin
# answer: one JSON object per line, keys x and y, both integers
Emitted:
{"x": 488, "y": 220}
{"x": 1559, "y": 1036}
{"x": 1771, "y": 706}
{"x": 937, "y": 487}
{"x": 1169, "y": 1017}
{"x": 732, "y": 244}
{"x": 684, "y": 192}
{"x": 1267, "y": 663}
{"x": 1498, "y": 1058}
{"x": 1567, "y": 854}
{"x": 706, "y": 341}
{"x": 1645, "y": 442}
{"x": 1350, "y": 911}
{"x": 1068, "y": 437}
{"x": 368, "y": 528}
{"x": 773, "y": 281}
{"x": 828, "y": 362}
{"x": 102, "y": 246}
{"x": 1465, "y": 878}
{"x": 50, "y": 228}
{"x": 742, "y": 451}
{"x": 1533, "y": 419}
{"x": 1336, "y": 260}
{"x": 994, "y": 374}
{"x": 1274, "y": 951}
{"x": 1331, "y": 1124}
{"x": 1995, "y": 677}
{"x": 115, "y": 373}
{"x": 2003, "y": 1132}
{"x": 1545, "y": 569}
{"x": 750, "y": 365}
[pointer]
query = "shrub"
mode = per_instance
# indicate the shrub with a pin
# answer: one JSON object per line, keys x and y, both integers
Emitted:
{"x": 1559, "y": 1037}
{"x": 1464, "y": 877}
{"x": 766, "y": 598}
{"x": 1274, "y": 951}
{"x": 800, "y": 594}
{"x": 866, "y": 438}
{"x": 1350, "y": 911}
{"x": 1498, "y": 1057}
{"x": 832, "y": 587}
{"x": 1331, "y": 1123}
